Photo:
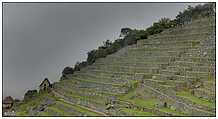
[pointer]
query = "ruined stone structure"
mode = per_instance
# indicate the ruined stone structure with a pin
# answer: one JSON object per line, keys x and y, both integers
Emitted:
{"x": 7, "y": 102}
{"x": 45, "y": 85}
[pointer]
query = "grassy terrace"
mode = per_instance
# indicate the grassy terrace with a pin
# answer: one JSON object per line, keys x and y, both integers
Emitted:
{"x": 187, "y": 95}
{"x": 42, "y": 113}
{"x": 207, "y": 90}
{"x": 189, "y": 62}
{"x": 171, "y": 42}
{"x": 108, "y": 77}
{"x": 140, "y": 97}
{"x": 138, "y": 112}
{"x": 187, "y": 28}
{"x": 150, "y": 62}
{"x": 168, "y": 48}
{"x": 93, "y": 81}
{"x": 211, "y": 81}
{"x": 162, "y": 75}
{"x": 161, "y": 81}
{"x": 115, "y": 72}
{"x": 70, "y": 94}
{"x": 186, "y": 67}
{"x": 194, "y": 72}
{"x": 127, "y": 67}
{"x": 172, "y": 99}
{"x": 88, "y": 89}
{"x": 22, "y": 111}
{"x": 155, "y": 80}
{"x": 22, "y": 114}
{"x": 86, "y": 98}
{"x": 179, "y": 76}
{"x": 159, "y": 56}
{"x": 79, "y": 108}
{"x": 179, "y": 36}
{"x": 59, "y": 111}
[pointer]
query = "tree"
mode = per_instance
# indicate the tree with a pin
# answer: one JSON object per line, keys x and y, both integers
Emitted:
{"x": 68, "y": 70}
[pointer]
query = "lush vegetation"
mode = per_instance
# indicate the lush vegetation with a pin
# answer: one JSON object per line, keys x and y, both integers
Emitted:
{"x": 130, "y": 36}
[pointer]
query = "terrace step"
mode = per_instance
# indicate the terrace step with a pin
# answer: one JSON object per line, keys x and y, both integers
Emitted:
{"x": 177, "y": 105}
{"x": 187, "y": 101}
{"x": 181, "y": 37}
{"x": 189, "y": 68}
{"x": 148, "y": 109}
{"x": 94, "y": 107}
{"x": 209, "y": 85}
{"x": 189, "y": 29}
{"x": 97, "y": 94}
{"x": 169, "y": 44}
{"x": 116, "y": 88}
{"x": 205, "y": 94}
{"x": 122, "y": 69}
{"x": 69, "y": 110}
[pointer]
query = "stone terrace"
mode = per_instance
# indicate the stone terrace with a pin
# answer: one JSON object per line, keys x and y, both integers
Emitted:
{"x": 168, "y": 74}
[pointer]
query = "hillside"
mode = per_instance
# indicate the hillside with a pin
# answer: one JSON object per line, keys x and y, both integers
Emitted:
{"x": 168, "y": 74}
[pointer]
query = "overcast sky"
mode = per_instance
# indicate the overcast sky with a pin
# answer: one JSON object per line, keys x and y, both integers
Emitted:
{"x": 40, "y": 39}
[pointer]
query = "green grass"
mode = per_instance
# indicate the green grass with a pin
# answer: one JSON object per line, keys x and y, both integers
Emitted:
{"x": 207, "y": 90}
{"x": 187, "y": 28}
{"x": 188, "y": 62}
{"x": 155, "y": 80}
{"x": 42, "y": 113}
{"x": 78, "y": 108}
{"x": 186, "y": 67}
{"x": 22, "y": 114}
{"x": 145, "y": 99}
{"x": 138, "y": 113}
{"x": 211, "y": 81}
{"x": 187, "y": 95}
{"x": 61, "y": 112}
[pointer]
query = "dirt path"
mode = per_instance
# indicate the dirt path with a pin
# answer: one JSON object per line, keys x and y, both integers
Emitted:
{"x": 90, "y": 109}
